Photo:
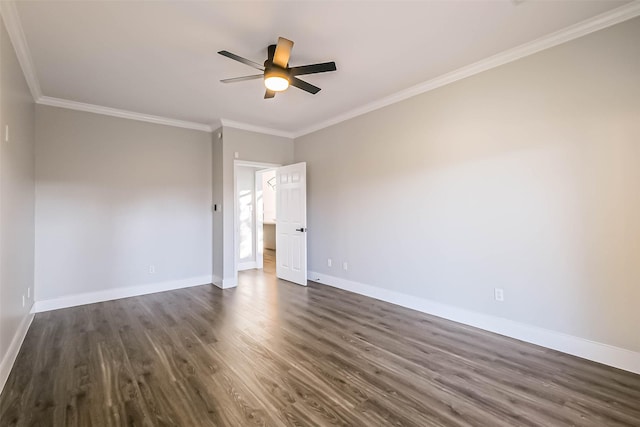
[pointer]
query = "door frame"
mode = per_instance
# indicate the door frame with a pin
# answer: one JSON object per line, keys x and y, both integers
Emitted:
{"x": 236, "y": 208}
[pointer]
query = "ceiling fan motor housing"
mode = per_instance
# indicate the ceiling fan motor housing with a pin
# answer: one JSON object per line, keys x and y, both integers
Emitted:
{"x": 275, "y": 71}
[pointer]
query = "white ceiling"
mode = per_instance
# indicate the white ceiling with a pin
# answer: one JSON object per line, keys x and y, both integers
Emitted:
{"x": 159, "y": 58}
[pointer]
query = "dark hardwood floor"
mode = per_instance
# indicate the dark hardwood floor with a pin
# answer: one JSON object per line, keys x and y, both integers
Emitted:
{"x": 273, "y": 353}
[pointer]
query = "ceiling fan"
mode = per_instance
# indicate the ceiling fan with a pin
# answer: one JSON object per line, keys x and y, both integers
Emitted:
{"x": 276, "y": 71}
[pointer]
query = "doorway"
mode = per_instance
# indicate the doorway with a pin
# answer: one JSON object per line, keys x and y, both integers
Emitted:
{"x": 266, "y": 222}
{"x": 263, "y": 191}
{"x": 255, "y": 216}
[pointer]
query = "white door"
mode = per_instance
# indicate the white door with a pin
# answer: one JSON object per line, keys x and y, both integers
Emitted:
{"x": 291, "y": 223}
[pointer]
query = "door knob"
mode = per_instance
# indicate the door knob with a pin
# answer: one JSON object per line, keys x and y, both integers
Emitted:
{"x": 302, "y": 230}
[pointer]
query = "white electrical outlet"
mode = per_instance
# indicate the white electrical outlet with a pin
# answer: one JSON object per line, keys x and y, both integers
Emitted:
{"x": 328, "y": 262}
{"x": 345, "y": 266}
{"x": 236, "y": 155}
{"x": 152, "y": 269}
{"x": 499, "y": 294}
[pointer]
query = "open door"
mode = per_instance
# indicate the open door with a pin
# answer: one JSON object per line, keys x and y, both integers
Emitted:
{"x": 291, "y": 223}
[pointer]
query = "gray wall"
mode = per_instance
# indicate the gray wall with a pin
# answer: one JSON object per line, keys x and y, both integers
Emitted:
{"x": 524, "y": 177}
{"x": 16, "y": 197}
{"x": 250, "y": 146}
{"x": 115, "y": 196}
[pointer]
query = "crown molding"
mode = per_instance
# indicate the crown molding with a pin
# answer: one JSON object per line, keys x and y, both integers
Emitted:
{"x": 217, "y": 124}
{"x": 115, "y": 112}
{"x": 258, "y": 129}
{"x": 12, "y": 22}
{"x": 572, "y": 32}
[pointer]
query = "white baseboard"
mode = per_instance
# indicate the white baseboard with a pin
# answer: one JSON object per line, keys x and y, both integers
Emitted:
{"x": 216, "y": 280}
{"x": 117, "y": 293}
{"x": 229, "y": 282}
{"x": 247, "y": 265}
{"x": 13, "y": 350}
{"x": 598, "y": 352}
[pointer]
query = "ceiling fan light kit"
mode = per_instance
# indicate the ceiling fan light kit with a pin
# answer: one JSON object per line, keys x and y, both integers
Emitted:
{"x": 276, "y": 79}
{"x": 277, "y": 74}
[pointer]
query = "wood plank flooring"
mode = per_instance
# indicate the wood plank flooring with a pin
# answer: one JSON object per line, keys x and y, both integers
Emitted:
{"x": 276, "y": 354}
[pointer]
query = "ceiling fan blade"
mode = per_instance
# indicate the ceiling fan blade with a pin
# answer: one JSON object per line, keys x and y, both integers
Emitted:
{"x": 241, "y": 59}
{"x": 312, "y": 69}
{"x": 241, "y": 79}
{"x": 300, "y": 84}
{"x": 271, "y": 50}
{"x": 269, "y": 94}
{"x": 283, "y": 52}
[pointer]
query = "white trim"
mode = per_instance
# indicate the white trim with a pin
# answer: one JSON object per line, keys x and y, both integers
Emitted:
{"x": 14, "y": 348}
{"x": 249, "y": 164}
{"x": 229, "y": 282}
{"x": 216, "y": 280}
{"x": 598, "y": 352}
{"x": 124, "y": 114}
{"x": 236, "y": 225}
{"x": 572, "y": 32}
{"x": 117, "y": 293}
{"x": 217, "y": 124}
{"x": 248, "y": 265}
{"x": 599, "y": 22}
{"x": 12, "y": 21}
{"x": 13, "y": 24}
{"x": 258, "y": 236}
{"x": 259, "y": 129}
